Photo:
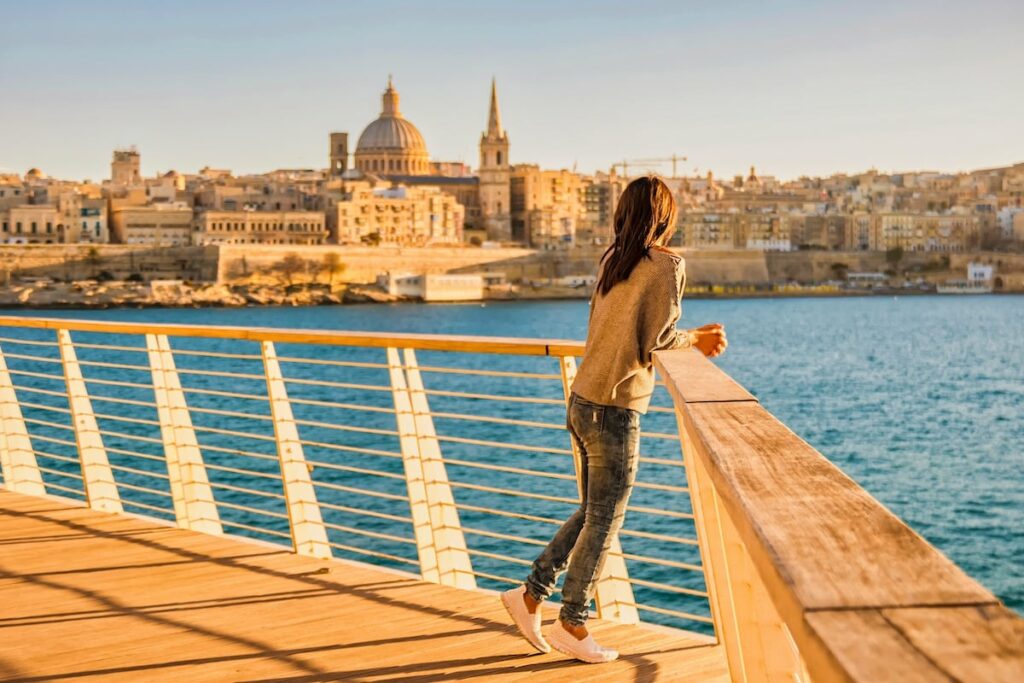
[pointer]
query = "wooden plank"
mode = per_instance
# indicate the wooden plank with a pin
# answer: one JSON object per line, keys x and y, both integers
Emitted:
{"x": 183, "y": 606}
{"x": 971, "y": 644}
{"x": 818, "y": 539}
{"x": 692, "y": 378}
{"x": 860, "y": 645}
{"x": 717, "y": 579}
{"x": 439, "y": 342}
{"x": 983, "y": 644}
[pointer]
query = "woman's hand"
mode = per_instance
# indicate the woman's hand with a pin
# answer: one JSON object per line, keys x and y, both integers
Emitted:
{"x": 710, "y": 339}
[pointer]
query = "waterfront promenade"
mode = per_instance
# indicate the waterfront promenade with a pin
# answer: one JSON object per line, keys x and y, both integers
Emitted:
{"x": 94, "y": 596}
{"x": 797, "y": 571}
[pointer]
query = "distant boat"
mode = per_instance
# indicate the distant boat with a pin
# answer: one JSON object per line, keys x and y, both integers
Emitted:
{"x": 964, "y": 287}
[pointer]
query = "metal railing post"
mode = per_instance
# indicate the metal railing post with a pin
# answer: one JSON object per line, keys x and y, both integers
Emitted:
{"x": 194, "y": 504}
{"x": 18, "y": 460}
{"x": 613, "y": 595}
{"x": 453, "y": 562}
{"x": 415, "y": 482}
{"x": 97, "y": 477}
{"x": 309, "y": 535}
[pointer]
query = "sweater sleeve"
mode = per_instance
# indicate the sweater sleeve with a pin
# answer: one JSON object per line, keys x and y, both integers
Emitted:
{"x": 665, "y": 314}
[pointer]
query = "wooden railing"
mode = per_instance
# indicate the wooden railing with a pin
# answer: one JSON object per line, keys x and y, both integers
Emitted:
{"x": 341, "y": 444}
{"x": 810, "y": 577}
{"x": 336, "y": 444}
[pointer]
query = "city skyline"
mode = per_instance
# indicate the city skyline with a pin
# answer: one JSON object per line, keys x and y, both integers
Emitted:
{"x": 897, "y": 89}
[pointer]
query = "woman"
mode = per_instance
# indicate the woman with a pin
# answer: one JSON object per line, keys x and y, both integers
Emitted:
{"x": 633, "y": 312}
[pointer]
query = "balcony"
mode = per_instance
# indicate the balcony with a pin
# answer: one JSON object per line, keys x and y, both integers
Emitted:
{"x": 311, "y": 505}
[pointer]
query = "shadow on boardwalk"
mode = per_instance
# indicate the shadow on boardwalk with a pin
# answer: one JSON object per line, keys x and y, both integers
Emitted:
{"x": 92, "y": 596}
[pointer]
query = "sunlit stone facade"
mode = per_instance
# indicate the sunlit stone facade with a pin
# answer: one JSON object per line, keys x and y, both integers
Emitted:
{"x": 260, "y": 227}
{"x": 398, "y": 215}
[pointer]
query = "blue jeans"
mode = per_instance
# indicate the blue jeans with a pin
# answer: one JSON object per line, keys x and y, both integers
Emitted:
{"x": 607, "y": 439}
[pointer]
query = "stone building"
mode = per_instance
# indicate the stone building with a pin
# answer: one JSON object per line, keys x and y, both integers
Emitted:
{"x": 546, "y": 205}
{"x": 125, "y": 168}
{"x": 398, "y": 215}
{"x": 706, "y": 230}
{"x": 83, "y": 219}
{"x": 30, "y": 224}
{"x": 156, "y": 225}
{"x": 599, "y": 196}
{"x": 260, "y": 227}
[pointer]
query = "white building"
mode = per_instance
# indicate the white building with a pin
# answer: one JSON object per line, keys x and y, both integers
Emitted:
{"x": 433, "y": 287}
{"x": 980, "y": 272}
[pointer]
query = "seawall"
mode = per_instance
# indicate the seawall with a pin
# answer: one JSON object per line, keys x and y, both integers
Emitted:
{"x": 362, "y": 264}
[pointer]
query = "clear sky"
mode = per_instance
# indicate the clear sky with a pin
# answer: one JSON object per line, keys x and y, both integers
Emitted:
{"x": 791, "y": 87}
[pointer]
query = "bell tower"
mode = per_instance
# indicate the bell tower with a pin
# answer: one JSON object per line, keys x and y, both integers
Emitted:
{"x": 338, "y": 153}
{"x": 495, "y": 175}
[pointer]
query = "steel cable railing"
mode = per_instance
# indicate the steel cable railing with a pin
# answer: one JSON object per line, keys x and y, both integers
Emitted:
{"x": 469, "y": 445}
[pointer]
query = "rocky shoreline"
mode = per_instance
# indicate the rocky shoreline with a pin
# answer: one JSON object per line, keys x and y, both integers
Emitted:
{"x": 174, "y": 294}
{"x": 116, "y": 294}
{"x": 124, "y": 294}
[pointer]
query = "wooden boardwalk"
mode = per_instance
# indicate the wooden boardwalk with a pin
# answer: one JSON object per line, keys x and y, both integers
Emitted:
{"x": 89, "y": 596}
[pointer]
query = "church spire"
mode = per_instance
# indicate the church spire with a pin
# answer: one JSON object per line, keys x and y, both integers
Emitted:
{"x": 494, "y": 130}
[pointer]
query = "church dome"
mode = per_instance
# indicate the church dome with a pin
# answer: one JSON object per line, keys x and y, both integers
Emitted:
{"x": 391, "y": 133}
{"x": 391, "y": 143}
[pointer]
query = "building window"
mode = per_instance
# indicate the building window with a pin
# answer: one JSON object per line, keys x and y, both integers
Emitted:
{"x": 499, "y": 160}
{"x": 34, "y": 230}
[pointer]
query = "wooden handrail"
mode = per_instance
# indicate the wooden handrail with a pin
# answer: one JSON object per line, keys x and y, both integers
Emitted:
{"x": 863, "y": 597}
{"x": 433, "y": 342}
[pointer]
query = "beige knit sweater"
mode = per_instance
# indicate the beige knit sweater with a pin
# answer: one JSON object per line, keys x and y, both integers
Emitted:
{"x": 637, "y": 317}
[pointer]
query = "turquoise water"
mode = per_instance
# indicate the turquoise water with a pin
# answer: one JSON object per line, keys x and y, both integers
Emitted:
{"x": 920, "y": 399}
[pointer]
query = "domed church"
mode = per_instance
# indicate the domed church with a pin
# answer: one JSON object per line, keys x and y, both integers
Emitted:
{"x": 392, "y": 144}
{"x": 392, "y": 149}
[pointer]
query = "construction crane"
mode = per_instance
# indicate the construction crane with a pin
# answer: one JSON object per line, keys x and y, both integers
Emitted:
{"x": 625, "y": 164}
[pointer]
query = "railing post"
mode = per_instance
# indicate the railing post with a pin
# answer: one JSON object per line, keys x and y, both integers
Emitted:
{"x": 453, "y": 563}
{"x": 766, "y": 646}
{"x": 309, "y": 536}
{"x": 194, "y": 504}
{"x": 613, "y": 595}
{"x": 757, "y": 644}
{"x": 97, "y": 477}
{"x": 18, "y": 460}
{"x": 712, "y": 554}
{"x": 415, "y": 482}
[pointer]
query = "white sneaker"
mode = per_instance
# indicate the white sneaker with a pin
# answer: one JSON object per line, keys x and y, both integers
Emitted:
{"x": 528, "y": 624}
{"x": 586, "y": 650}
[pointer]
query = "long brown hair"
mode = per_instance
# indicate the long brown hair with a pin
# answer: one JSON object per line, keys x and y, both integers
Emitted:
{"x": 645, "y": 217}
